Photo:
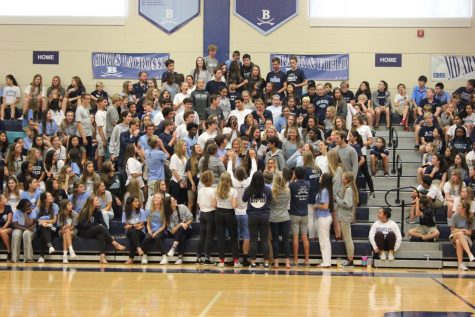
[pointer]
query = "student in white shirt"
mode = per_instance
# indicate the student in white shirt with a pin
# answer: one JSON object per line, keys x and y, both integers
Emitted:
{"x": 206, "y": 195}
{"x": 385, "y": 236}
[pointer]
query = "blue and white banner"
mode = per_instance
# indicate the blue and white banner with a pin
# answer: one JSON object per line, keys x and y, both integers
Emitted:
{"x": 128, "y": 65}
{"x": 169, "y": 15}
{"x": 318, "y": 67}
{"x": 453, "y": 67}
{"x": 265, "y": 15}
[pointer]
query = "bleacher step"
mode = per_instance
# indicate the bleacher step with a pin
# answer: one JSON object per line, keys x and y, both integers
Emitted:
{"x": 422, "y": 255}
{"x": 432, "y": 264}
{"x": 420, "y": 246}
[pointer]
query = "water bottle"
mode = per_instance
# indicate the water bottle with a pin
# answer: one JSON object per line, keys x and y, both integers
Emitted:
{"x": 369, "y": 264}
{"x": 364, "y": 261}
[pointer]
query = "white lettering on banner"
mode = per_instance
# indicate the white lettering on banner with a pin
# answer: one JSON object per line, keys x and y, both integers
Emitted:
{"x": 136, "y": 62}
{"x": 318, "y": 63}
{"x": 45, "y": 57}
{"x": 265, "y": 14}
{"x": 388, "y": 59}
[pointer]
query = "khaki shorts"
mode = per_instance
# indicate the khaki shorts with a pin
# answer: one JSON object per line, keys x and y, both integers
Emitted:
{"x": 299, "y": 224}
{"x": 425, "y": 230}
{"x": 100, "y": 147}
{"x": 399, "y": 110}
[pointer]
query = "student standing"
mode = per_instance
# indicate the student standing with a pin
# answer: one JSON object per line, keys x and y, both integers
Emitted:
{"x": 346, "y": 200}
{"x": 280, "y": 219}
{"x": 299, "y": 193}
{"x": 225, "y": 202}
{"x": 323, "y": 207}
{"x": 258, "y": 198}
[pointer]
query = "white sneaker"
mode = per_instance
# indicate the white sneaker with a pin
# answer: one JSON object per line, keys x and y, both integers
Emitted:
{"x": 462, "y": 267}
{"x": 171, "y": 252}
{"x": 65, "y": 259}
{"x": 221, "y": 265}
{"x": 41, "y": 260}
{"x": 144, "y": 259}
{"x": 164, "y": 260}
{"x": 383, "y": 256}
{"x": 471, "y": 257}
{"x": 51, "y": 250}
{"x": 237, "y": 265}
{"x": 72, "y": 254}
{"x": 179, "y": 261}
{"x": 391, "y": 256}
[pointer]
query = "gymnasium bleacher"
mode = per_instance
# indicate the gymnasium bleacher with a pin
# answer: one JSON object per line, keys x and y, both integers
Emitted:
{"x": 411, "y": 255}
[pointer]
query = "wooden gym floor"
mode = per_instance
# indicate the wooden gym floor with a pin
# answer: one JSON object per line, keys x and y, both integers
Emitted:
{"x": 89, "y": 289}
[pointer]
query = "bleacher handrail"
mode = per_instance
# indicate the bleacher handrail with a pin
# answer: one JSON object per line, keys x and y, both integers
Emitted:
{"x": 394, "y": 139}
{"x": 401, "y": 204}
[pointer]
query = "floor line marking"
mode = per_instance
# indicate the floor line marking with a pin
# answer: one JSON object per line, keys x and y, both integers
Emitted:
{"x": 454, "y": 293}
{"x": 210, "y": 304}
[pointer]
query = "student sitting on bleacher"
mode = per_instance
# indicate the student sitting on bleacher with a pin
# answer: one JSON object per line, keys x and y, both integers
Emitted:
{"x": 452, "y": 189}
{"x": 379, "y": 152}
{"x": 437, "y": 171}
{"x": 426, "y": 230}
{"x": 385, "y": 236}
{"x": 461, "y": 226}
{"x": 431, "y": 191}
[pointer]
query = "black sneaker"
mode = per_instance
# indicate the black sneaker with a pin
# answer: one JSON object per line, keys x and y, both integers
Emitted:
{"x": 207, "y": 261}
{"x": 348, "y": 264}
{"x": 266, "y": 266}
{"x": 245, "y": 262}
{"x": 253, "y": 266}
{"x": 199, "y": 261}
{"x": 416, "y": 147}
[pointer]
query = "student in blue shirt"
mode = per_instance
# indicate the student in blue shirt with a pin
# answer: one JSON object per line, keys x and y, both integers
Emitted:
{"x": 33, "y": 192}
{"x": 156, "y": 225}
{"x": 155, "y": 158}
{"x": 79, "y": 195}
{"x": 191, "y": 138}
{"x": 24, "y": 229}
{"x": 134, "y": 219}
{"x": 322, "y": 207}
{"x": 47, "y": 214}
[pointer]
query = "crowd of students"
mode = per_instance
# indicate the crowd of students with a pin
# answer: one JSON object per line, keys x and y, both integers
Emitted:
{"x": 251, "y": 158}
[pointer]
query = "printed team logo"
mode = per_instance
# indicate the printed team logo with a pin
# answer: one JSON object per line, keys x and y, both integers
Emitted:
{"x": 111, "y": 71}
{"x": 265, "y": 15}
{"x": 265, "y": 19}
{"x": 169, "y": 15}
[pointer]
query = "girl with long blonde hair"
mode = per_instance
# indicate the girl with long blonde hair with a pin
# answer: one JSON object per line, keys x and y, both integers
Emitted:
{"x": 346, "y": 200}
{"x": 280, "y": 219}
{"x": 225, "y": 201}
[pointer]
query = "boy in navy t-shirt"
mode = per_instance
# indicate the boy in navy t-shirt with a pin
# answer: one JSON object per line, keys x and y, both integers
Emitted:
{"x": 299, "y": 197}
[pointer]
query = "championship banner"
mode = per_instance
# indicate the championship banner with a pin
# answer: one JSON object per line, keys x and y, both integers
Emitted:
{"x": 318, "y": 67}
{"x": 169, "y": 15}
{"x": 265, "y": 15}
{"x": 451, "y": 67}
{"x": 128, "y": 65}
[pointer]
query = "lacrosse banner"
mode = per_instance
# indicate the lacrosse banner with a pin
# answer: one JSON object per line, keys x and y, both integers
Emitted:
{"x": 265, "y": 15}
{"x": 318, "y": 67}
{"x": 128, "y": 65}
{"x": 453, "y": 67}
{"x": 169, "y": 15}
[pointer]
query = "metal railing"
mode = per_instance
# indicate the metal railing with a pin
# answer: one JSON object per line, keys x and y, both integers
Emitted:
{"x": 399, "y": 203}
{"x": 394, "y": 142}
{"x": 399, "y": 174}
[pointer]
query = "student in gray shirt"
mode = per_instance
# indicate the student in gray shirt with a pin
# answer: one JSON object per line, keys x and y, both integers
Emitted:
{"x": 84, "y": 124}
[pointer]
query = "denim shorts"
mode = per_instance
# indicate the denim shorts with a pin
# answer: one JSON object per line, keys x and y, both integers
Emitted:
{"x": 243, "y": 227}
